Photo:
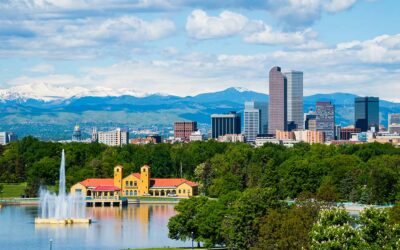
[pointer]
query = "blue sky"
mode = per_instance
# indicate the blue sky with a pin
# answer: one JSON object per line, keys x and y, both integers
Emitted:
{"x": 185, "y": 47}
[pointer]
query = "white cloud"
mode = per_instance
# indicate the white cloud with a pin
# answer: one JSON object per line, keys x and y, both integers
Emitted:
{"x": 338, "y": 5}
{"x": 79, "y": 38}
{"x": 201, "y": 26}
{"x": 268, "y": 36}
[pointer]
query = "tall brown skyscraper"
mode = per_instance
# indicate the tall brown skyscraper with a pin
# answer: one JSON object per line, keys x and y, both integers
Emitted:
{"x": 277, "y": 115}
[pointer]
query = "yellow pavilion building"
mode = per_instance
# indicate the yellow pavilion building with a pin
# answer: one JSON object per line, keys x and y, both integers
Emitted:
{"x": 133, "y": 185}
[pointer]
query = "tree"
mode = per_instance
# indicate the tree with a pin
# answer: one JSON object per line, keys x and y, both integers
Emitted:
{"x": 241, "y": 225}
{"x": 377, "y": 230}
{"x": 185, "y": 225}
{"x": 333, "y": 231}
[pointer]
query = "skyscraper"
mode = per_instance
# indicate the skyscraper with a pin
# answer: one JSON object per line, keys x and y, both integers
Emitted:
{"x": 183, "y": 129}
{"x": 295, "y": 99}
{"x": 394, "y": 123}
{"x": 255, "y": 119}
{"x": 277, "y": 115}
{"x": 366, "y": 113}
{"x": 222, "y": 124}
{"x": 325, "y": 119}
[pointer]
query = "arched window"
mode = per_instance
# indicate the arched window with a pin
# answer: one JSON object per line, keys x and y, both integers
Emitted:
{"x": 126, "y": 192}
{"x": 135, "y": 184}
{"x": 184, "y": 191}
{"x": 131, "y": 183}
{"x": 131, "y": 193}
{"x": 88, "y": 193}
{"x": 126, "y": 183}
{"x": 135, "y": 193}
{"x": 179, "y": 191}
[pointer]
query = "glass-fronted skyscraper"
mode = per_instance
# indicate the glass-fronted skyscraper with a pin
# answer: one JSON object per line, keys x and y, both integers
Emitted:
{"x": 277, "y": 115}
{"x": 325, "y": 119}
{"x": 295, "y": 98}
{"x": 222, "y": 124}
{"x": 366, "y": 113}
{"x": 255, "y": 119}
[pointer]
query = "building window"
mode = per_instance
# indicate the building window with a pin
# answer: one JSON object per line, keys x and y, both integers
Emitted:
{"x": 184, "y": 191}
{"x": 126, "y": 192}
{"x": 88, "y": 193}
{"x": 188, "y": 191}
{"x": 135, "y": 193}
{"x": 179, "y": 191}
{"x": 126, "y": 183}
{"x": 135, "y": 183}
{"x": 131, "y": 183}
{"x": 144, "y": 170}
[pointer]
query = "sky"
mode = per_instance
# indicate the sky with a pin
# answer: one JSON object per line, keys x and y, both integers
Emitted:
{"x": 185, "y": 47}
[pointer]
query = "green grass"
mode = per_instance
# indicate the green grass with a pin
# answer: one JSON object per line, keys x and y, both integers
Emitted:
{"x": 13, "y": 190}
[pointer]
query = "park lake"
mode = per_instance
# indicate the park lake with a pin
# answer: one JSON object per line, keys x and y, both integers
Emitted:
{"x": 134, "y": 226}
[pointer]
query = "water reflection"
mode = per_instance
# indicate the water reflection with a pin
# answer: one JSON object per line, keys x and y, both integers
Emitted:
{"x": 135, "y": 226}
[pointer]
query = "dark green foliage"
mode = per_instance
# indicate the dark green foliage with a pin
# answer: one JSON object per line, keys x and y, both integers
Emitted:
{"x": 368, "y": 173}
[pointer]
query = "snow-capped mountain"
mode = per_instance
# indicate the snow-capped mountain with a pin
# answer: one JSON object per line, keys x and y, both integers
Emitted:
{"x": 48, "y": 92}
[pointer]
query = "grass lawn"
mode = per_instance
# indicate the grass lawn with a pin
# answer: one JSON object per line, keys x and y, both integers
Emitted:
{"x": 13, "y": 190}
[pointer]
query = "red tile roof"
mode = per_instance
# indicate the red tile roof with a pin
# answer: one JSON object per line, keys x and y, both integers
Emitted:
{"x": 93, "y": 182}
{"x": 170, "y": 182}
{"x": 106, "y": 188}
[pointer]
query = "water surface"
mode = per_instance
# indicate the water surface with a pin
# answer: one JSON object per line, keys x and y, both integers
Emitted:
{"x": 135, "y": 226}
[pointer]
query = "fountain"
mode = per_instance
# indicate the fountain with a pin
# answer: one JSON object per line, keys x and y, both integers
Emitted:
{"x": 62, "y": 208}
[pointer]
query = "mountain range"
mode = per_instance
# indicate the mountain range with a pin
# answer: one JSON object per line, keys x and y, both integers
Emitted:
{"x": 54, "y": 118}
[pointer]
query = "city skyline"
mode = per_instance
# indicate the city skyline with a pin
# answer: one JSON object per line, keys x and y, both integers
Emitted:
{"x": 63, "y": 48}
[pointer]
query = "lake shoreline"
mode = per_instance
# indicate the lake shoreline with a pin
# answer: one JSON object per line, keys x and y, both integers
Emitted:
{"x": 35, "y": 201}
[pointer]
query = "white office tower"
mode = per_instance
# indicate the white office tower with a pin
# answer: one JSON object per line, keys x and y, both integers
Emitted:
{"x": 295, "y": 113}
{"x": 116, "y": 137}
{"x": 255, "y": 119}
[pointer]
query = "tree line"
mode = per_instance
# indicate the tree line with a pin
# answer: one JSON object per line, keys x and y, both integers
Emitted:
{"x": 256, "y": 219}
{"x": 368, "y": 173}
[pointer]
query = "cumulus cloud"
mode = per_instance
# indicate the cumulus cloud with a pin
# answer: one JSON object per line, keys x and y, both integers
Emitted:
{"x": 80, "y": 38}
{"x": 291, "y": 13}
{"x": 201, "y": 26}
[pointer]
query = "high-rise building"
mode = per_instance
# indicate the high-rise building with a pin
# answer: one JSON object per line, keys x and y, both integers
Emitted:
{"x": 394, "y": 123}
{"x": 255, "y": 119}
{"x": 366, "y": 113}
{"x": 310, "y": 122}
{"x": 295, "y": 116}
{"x": 116, "y": 137}
{"x": 277, "y": 115}
{"x": 183, "y": 130}
{"x": 7, "y": 137}
{"x": 222, "y": 124}
{"x": 285, "y": 100}
{"x": 325, "y": 119}
{"x": 76, "y": 135}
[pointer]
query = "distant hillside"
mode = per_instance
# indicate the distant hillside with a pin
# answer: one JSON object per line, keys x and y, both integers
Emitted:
{"x": 55, "y": 119}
